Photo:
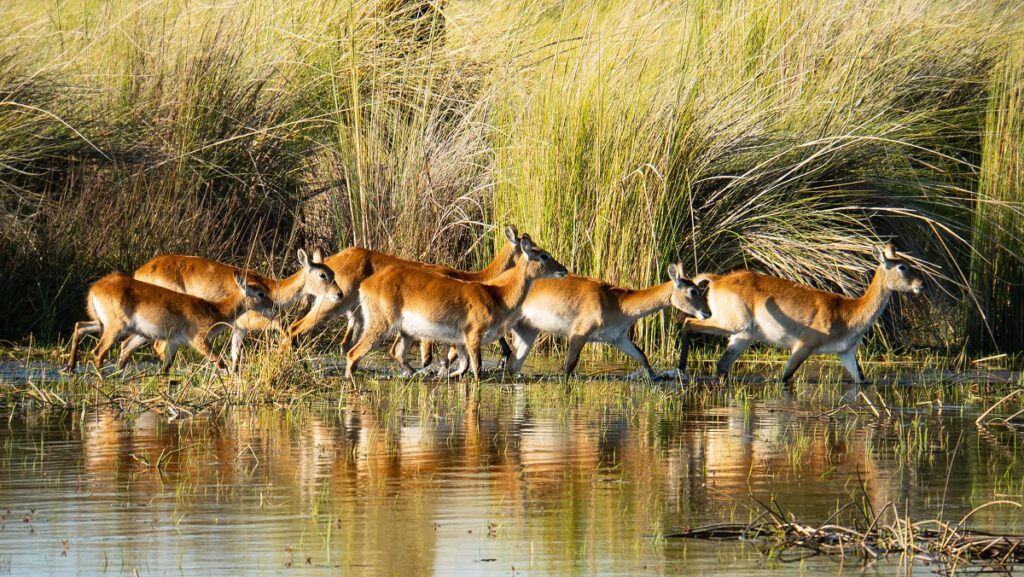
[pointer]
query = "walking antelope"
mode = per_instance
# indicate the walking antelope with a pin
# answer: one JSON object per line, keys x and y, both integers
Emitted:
{"x": 747, "y": 307}
{"x": 213, "y": 281}
{"x": 354, "y": 265}
{"x": 586, "y": 310}
{"x": 124, "y": 306}
{"x": 419, "y": 303}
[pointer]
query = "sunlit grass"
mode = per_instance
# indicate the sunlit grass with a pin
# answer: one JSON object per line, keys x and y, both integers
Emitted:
{"x": 623, "y": 135}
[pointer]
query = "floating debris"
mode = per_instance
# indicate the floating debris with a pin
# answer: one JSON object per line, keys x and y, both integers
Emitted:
{"x": 949, "y": 546}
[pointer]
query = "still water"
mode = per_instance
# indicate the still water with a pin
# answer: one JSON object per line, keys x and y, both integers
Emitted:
{"x": 524, "y": 479}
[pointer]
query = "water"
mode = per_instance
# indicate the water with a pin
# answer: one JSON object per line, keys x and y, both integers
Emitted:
{"x": 517, "y": 480}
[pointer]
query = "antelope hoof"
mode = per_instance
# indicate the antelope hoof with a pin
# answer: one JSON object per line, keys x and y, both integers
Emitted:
{"x": 426, "y": 372}
{"x": 433, "y": 369}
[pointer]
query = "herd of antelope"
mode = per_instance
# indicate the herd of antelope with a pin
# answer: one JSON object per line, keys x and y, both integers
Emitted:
{"x": 188, "y": 300}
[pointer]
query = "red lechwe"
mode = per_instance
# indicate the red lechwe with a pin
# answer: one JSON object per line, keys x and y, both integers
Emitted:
{"x": 124, "y": 306}
{"x": 419, "y": 303}
{"x": 354, "y": 265}
{"x": 747, "y": 307}
{"x": 586, "y": 310}
{"x": 214, "y": 281}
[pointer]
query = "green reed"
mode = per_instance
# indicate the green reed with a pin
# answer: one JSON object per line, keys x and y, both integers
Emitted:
{"x": 624, "y": 135}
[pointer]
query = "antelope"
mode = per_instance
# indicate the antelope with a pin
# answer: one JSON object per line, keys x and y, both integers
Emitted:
{"x": 587, "y": 310}
{"x": 420, "y": 303}
{"x": 126, "y": 306}
{"x": 213, "y": 281}
{"x": 747, "y": 307}
{"x": 354, "y": 265}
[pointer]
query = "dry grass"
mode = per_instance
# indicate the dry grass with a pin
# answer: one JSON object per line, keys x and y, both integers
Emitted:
{"x": 622, "y": 134}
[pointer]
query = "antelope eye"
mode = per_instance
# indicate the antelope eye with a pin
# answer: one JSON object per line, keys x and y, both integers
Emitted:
{"x": 323, "y": 275}
{"x": 545, "y": 257}
{"x": 902, "y": 268}
{"x": 693, "y": 292}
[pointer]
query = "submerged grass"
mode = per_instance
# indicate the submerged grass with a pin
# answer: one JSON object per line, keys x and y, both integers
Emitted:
{"x": 785, "y": 137}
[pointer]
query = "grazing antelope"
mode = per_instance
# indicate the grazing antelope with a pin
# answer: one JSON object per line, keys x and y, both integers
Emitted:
{"x": 354, "y": 265}
{"x": 586, "y": 310}
{"x": 747, "y": 307}
{"x": 419, "y": 303}
{"x": 213, "y": 281}
{"x": 125, "y": 306}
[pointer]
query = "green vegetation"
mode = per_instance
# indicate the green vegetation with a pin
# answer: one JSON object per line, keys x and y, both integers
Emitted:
{"x": 622, "y": 134}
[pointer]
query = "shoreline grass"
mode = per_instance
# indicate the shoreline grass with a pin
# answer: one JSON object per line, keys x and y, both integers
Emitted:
{"x": 623, "y": 135}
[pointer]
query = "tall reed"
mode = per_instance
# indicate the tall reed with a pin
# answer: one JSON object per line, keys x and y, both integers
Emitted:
{"x": 623, "y": 134}
{"x": 997, "y": 273}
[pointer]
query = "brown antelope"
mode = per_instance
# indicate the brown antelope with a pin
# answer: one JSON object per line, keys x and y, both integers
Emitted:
{"x": 586, "y": 310}
{"x": 419, "y": 303}
{"x": 354, "y": 265}
{"x": 214, "y": 281}
{"x": 125, "y": 306}
{"x": 747, "y": 307}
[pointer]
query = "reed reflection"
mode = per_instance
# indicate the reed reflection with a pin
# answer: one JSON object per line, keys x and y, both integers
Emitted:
{"x": 425, "y": 480}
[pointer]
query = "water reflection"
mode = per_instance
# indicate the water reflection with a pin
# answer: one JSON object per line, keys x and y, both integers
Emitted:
{"x": 420, "y": 480}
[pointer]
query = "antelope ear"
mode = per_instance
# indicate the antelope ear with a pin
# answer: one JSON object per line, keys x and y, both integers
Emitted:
{"x": 879, "y": 254}
{"x": 512, "y": 234}
{"x": 317, "y": 257}
{"x": 303, "y": 259}
{"x": 240, "y": 280}
{"x": 525, "y": 242}
{"x": 675, "y": 272}
{"x": 889, "y": 251}
{"x": 528, "y": 248}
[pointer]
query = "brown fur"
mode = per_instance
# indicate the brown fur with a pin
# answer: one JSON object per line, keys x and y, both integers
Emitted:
{"x": 586, "y": 310}
{"x": 464, "y": 313}
{"x": 125, "y": 306}
{"x": 747, "y": 307}
{"x": 354, "y": 265}
{"x": 214, "y": 281}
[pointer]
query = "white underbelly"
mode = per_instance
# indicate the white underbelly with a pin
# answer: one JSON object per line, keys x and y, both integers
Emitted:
{"x": 154, "y": 331}
{"x": 421, "y": 327}
{"x": 776, "y": 335}
{"x": 547, "y": 321}
{"x": 772, "y": 334}
{"x": 840, "y": 345}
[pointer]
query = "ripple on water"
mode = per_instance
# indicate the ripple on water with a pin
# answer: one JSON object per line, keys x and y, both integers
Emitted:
{"x": 527, "y": 479}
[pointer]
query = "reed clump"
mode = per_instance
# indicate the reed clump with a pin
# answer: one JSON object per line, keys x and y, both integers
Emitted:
{"x": 624, "y": 135}
{"x": 887, "y": 532}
